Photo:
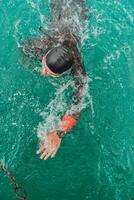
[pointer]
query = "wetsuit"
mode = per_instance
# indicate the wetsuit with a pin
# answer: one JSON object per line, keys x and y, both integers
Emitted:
{"x": 37, "y": 48}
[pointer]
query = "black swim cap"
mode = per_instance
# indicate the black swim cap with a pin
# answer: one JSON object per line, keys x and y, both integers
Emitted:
{"x": 59, "y": 60}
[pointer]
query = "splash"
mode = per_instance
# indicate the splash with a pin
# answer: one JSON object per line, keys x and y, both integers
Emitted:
{"x": 51, "y": 115}
{"x": 70, "y": 15}
{"x": 73, "y": 16}
{"x": 35, "y": 7}
{"x": 60, "y": 105}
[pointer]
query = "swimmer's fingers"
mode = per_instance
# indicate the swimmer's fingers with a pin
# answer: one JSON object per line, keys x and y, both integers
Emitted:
{"x": 41, "y": 149}
{"x": 54, "y": 153}
{"x": 44, "y": 154}
{"x": 51, "y": 149}
{"x": 48, "y": 155}
{"x": 46, "y": 150}
{"x": 55, "y": 149}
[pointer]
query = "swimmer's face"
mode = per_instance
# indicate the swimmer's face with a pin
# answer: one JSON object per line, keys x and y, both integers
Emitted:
{"x": 46, "y": 71}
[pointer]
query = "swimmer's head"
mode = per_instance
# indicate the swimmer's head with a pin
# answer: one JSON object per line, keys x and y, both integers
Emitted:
{"x": 57, "y": 61}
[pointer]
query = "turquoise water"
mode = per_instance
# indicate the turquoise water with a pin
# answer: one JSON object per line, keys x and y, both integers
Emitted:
{"x": 96, "y": 160}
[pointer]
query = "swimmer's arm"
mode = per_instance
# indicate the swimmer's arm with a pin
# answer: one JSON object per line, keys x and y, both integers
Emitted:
{"x": 71, "y": 117}
{"x": 68, "y": 121}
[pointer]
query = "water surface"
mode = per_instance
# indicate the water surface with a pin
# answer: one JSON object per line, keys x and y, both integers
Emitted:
{"x": 96, "y": 160}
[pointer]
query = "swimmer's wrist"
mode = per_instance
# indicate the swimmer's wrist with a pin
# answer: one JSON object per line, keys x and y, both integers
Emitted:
{"x": 66, "y": 125}
{"x": 61, "y": 133}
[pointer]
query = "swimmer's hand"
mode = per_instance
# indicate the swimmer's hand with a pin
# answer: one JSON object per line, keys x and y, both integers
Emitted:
{"x": 50, "y": 147}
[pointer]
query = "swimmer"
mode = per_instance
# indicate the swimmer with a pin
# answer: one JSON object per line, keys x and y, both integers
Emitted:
{"x": 59, "y": 53}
